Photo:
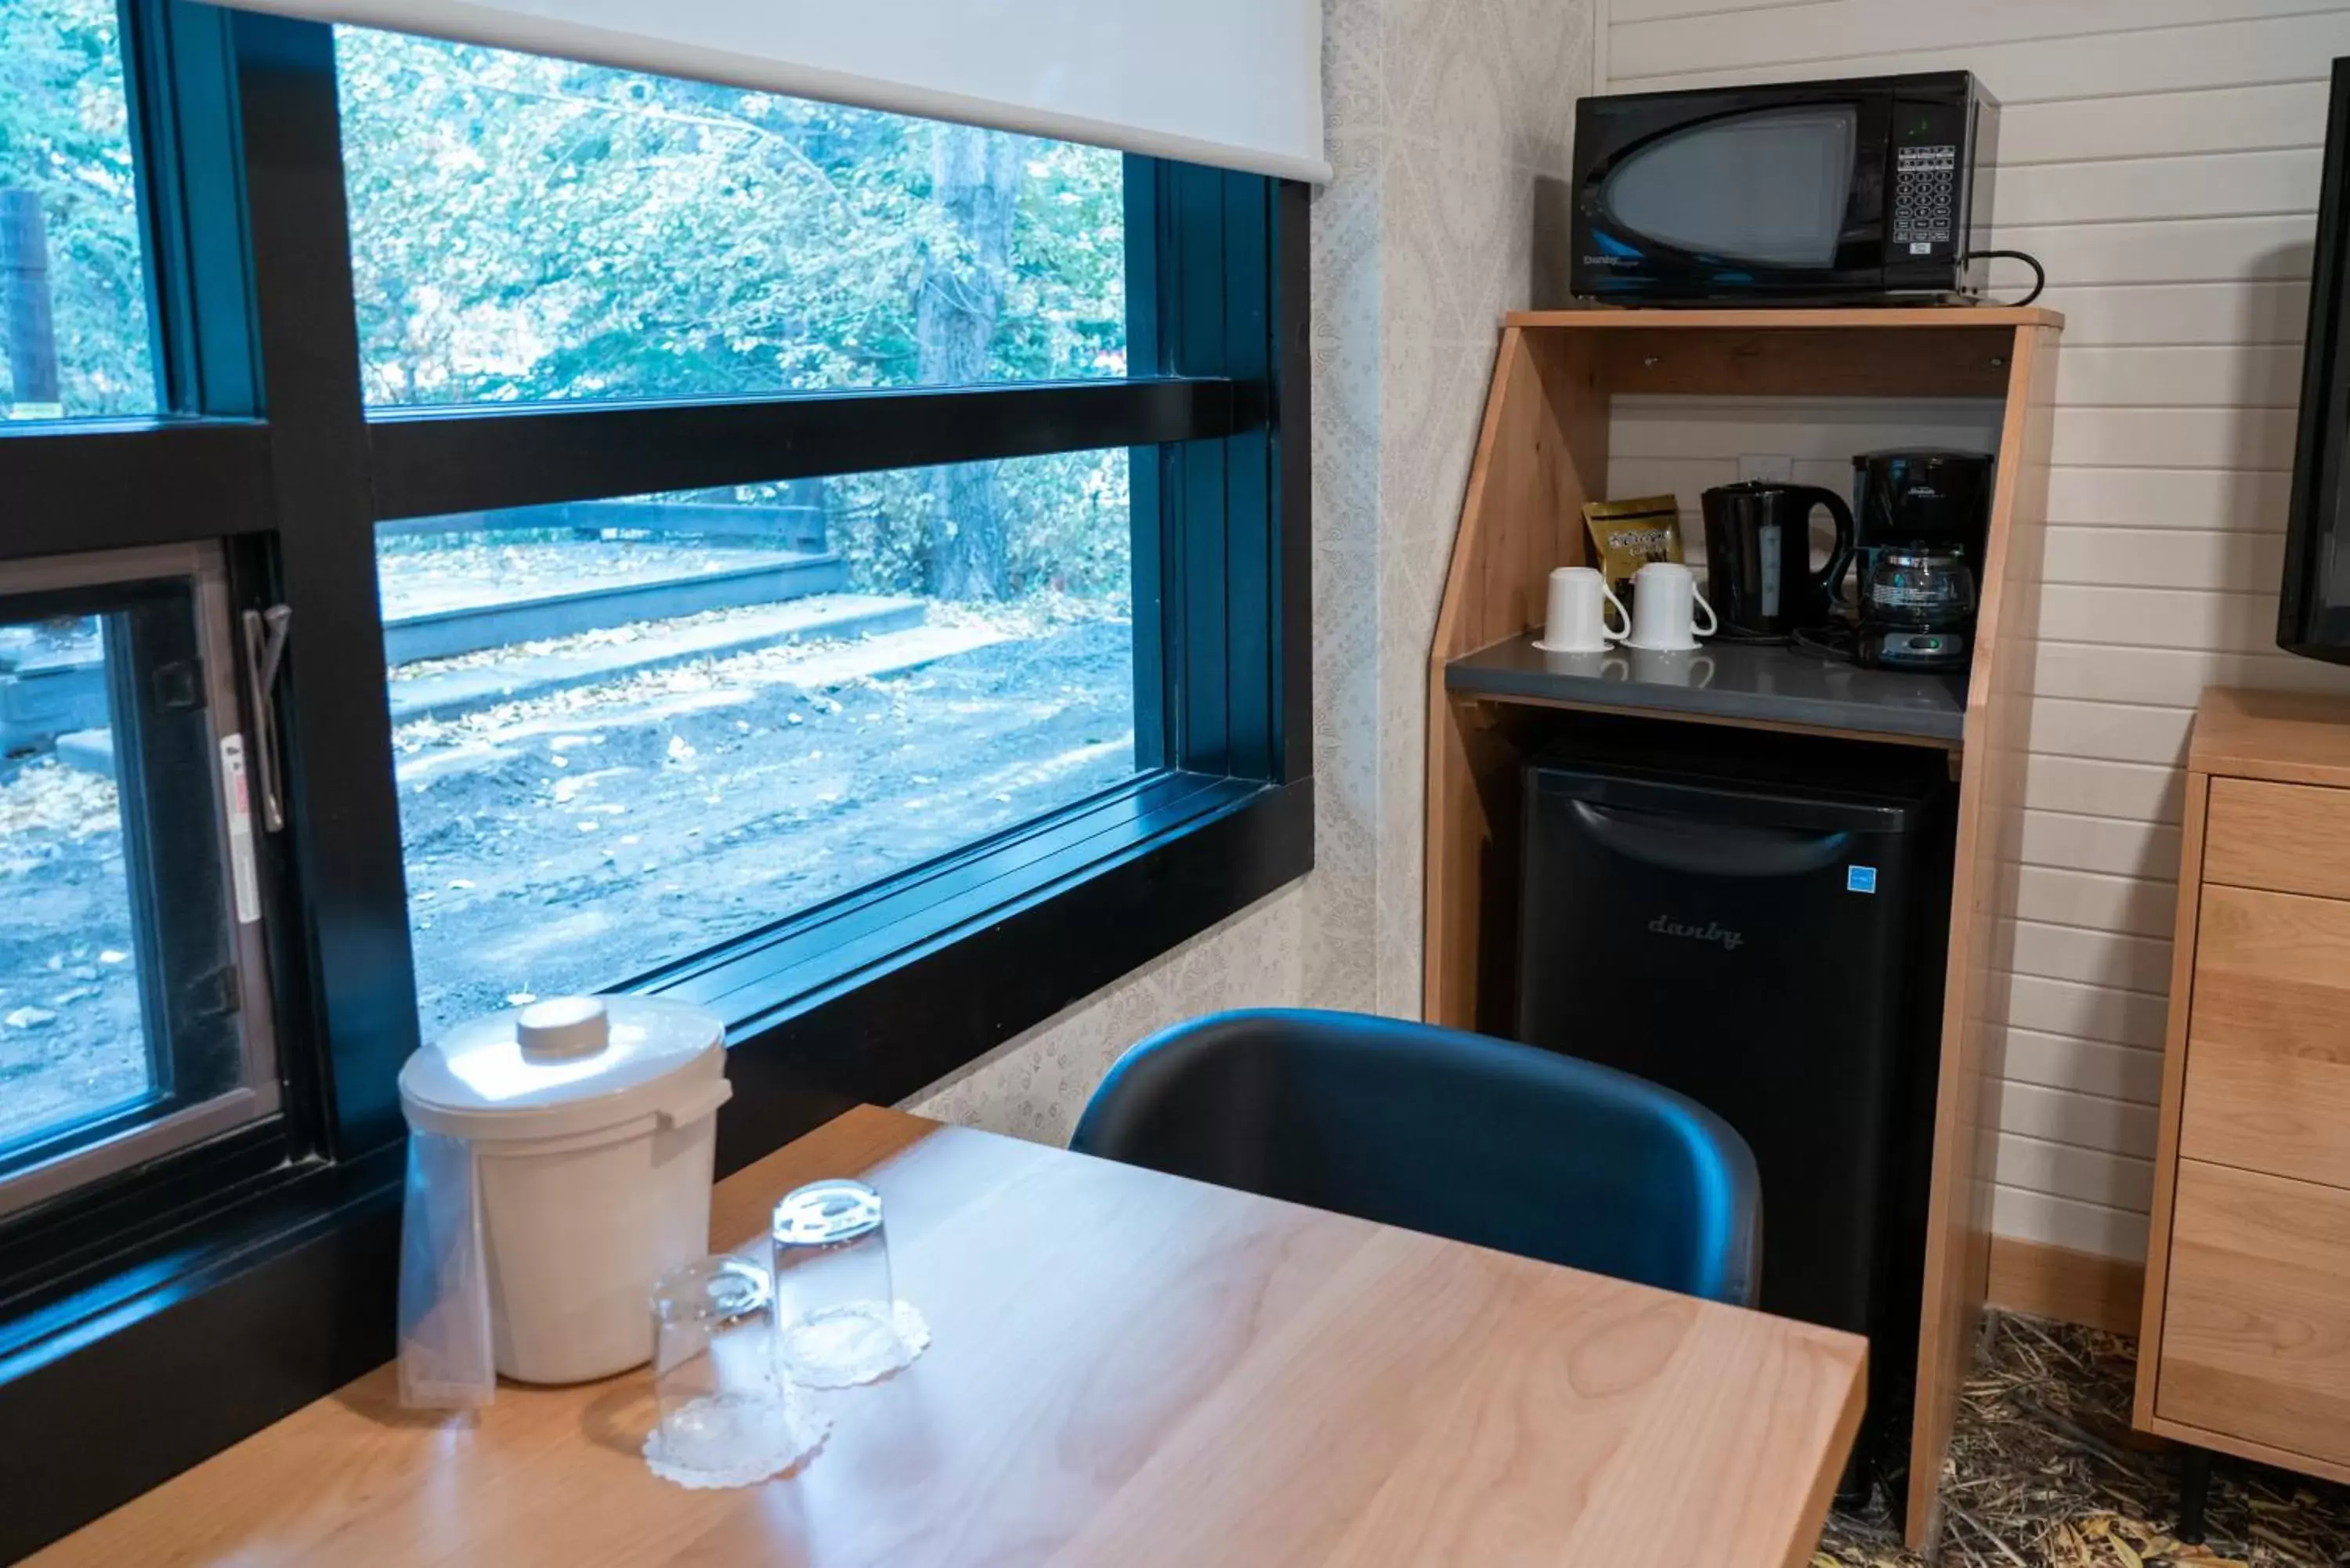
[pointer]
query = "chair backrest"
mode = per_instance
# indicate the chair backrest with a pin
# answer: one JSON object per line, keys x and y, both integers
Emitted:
{"x": 1456, "y": 1135}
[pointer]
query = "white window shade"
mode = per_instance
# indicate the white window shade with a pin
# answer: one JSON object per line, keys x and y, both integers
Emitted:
{"x": 1236, "y": 83}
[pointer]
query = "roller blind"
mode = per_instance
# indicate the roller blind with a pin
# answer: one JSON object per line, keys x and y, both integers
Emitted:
{"x": 1236, "y": 83}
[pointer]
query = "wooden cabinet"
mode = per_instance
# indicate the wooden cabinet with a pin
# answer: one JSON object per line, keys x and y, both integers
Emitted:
{"x": 2245, "y": 1344}
{"x": 1544, "y": 452}
{"x": 2287, "y": 839}
{"x": 2268, "y": 1035}
{"x": 2256, "y": 1324}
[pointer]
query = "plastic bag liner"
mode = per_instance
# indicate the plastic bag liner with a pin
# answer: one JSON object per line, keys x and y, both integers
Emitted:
{"x": 445, "y": 1359}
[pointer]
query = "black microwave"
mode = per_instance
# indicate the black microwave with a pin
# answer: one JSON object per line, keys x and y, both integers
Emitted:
{"x": 1873, "y": 188}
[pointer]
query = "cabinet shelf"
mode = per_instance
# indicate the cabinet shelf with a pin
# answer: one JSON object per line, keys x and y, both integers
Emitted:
{"x": 1724, "y": 683}
{"x": 1542, "y": 452}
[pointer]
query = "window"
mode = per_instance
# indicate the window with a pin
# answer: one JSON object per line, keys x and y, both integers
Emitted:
{"x": 630, "y": 730}
{"x": 627, "y": 731}
{"x": 530, "y": 228}
{"x": 73, "y": 287}
{"x": 846, "y": 570}
{"x": 134, "y": 1012}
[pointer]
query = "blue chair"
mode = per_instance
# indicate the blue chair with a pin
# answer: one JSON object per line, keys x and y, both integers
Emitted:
{"x": 1457, "y": 1135}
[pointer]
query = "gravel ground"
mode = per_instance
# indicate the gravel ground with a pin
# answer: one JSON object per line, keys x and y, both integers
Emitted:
{"x": 69, "y": 1035}
{"x": 2046, "y": 1472}
{"x": 572, "y": 841}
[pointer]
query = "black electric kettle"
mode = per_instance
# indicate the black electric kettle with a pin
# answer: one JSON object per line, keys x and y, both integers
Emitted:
{"x": 1758, "y": 557}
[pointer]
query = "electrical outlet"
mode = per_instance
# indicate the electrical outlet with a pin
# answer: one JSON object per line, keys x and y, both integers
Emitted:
{"x": 1766, "y": 465}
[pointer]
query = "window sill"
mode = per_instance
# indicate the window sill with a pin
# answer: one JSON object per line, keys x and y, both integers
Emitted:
{"x": 163, "y": 1353}
{"x": 873, "y": 996}
{"x": 158, "y": 1355}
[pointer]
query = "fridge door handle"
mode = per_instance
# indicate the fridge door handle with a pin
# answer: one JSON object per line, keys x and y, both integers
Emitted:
{"x": 1710, "y": 849}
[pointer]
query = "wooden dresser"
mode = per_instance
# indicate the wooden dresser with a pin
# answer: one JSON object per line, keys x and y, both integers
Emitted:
{"x": 2245, "y": 1344}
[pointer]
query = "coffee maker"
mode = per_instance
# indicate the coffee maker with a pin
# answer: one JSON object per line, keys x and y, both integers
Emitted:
{"x": 1920, "y": 517}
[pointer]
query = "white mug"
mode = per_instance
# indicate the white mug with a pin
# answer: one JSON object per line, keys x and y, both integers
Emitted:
{"x": 1664, "y": 598}
{"x": 1578, "y": 619}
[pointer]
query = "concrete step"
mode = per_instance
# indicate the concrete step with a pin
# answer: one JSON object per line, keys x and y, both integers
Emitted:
{"x": 793, "y": 524}
{"x": 447, "y": 694}
{"x": 64, "y": 691}
{"x": 37, "y": 702}
{"x": 865, "y": 658}
{"x": 92, "y": 751}
{"x": 475, "y": 629}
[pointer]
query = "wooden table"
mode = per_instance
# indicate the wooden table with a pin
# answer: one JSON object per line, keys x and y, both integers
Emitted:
{"x": 1128, "y": 1369}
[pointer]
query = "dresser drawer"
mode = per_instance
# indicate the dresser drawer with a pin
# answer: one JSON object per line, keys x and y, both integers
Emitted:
{"x": 2256, "y": 1320}
{"x": 2288, "y": 839}
{"x": 2268, "y": 1035}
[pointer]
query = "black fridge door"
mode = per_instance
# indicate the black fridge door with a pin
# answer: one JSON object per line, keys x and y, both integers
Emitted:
{"x": 1744, "y": 945}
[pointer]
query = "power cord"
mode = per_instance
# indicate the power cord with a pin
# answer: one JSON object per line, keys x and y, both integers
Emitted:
{"x": 1833, "y": 640}
{"x": 2039, "y": 273}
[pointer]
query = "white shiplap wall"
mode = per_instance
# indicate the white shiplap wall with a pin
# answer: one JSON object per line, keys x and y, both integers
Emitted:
{"x": 2161, "y": 158}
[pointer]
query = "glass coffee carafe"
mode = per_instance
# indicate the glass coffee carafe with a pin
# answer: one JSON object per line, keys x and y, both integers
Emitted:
{"x": 1919, "y": 586}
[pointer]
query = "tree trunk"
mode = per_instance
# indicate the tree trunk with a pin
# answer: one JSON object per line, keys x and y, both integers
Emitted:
{"x": 802, "y": 514}
{"x": 27, "y": 322}
{"x": 975, "y": 186}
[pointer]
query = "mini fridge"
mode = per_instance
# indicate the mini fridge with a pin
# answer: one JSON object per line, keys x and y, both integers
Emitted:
{"x": 1772, "y": 950}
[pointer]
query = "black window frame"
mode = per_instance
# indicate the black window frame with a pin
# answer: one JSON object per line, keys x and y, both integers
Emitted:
{"x": 252, "y": 1274}
{"x": 209, "y": 1040}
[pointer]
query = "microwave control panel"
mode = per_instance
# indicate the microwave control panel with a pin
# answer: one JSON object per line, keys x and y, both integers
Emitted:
{"x": 1923, "y": 192}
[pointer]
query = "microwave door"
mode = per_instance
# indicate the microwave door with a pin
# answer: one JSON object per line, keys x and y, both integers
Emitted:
{"x": 1788, "y": 193}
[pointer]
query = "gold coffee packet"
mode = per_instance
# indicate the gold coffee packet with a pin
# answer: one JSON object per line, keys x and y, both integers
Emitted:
{"x": 1629, "y": 534}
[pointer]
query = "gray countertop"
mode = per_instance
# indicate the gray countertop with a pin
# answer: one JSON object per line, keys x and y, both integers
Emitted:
{"x": 1721, "y": 680}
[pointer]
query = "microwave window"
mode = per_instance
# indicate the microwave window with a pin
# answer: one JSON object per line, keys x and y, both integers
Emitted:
{"x": 1767, "y": 188}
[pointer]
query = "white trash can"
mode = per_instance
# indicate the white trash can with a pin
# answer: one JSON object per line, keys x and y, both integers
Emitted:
{"x": 560, "y": 1163}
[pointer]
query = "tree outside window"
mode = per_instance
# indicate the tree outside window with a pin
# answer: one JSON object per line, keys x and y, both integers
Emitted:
{"x": 529, "y": 229}
{"x": 73, "y": 288}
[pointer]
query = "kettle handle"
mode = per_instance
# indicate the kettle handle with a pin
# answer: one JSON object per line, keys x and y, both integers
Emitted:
{"x": 1831, "y": 576}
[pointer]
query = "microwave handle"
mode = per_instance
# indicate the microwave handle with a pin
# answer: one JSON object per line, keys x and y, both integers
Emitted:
{"x": 1831, "y": 576}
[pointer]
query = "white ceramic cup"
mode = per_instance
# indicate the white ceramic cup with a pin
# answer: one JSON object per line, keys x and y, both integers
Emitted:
{"x": 1577, "y": 619}
{"x": 1664, "y": 601}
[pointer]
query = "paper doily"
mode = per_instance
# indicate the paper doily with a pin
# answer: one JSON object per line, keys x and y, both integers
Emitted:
{"x": 912, "y": 1334}
{"x": 733, "y": 1442}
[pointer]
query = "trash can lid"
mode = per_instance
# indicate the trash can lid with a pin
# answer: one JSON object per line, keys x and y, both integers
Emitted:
{"x": 568, "y": 1064}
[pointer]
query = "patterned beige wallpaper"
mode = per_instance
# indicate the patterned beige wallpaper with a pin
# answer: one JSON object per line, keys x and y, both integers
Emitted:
{"x": 1449, "y": 127}
{"x": 1473, "y": 134}
{"x": 1034, "y": 1085}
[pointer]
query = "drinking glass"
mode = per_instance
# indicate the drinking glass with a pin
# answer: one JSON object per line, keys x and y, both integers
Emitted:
{"x": 834, "y": 1298}
{"x": 726, "y": 1419}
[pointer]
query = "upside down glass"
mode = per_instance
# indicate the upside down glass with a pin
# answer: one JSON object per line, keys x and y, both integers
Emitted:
{"x": 726, "y": 1419}
{"x": 835, "y": 1303}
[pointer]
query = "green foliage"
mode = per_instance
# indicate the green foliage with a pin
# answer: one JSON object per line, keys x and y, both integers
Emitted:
{"x": 526, "y": 228}
{"x": 533, "y": 228}
{"x": 1068, "y": 517}
{"x": 1065, "y": 516}
{"x": 64, "y": 133}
